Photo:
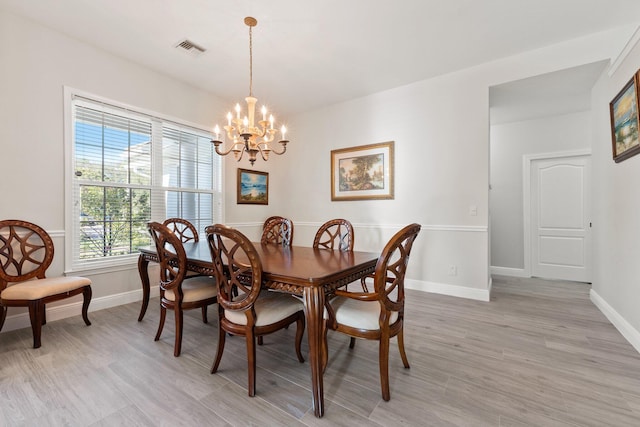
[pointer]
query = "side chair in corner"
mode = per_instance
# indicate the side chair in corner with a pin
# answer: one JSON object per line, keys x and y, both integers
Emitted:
{"x": 26, "y": 252}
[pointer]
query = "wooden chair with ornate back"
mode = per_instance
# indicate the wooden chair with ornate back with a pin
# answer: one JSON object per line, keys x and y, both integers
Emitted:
{"x": 176, "y": 293}
{"x": 379, "y": 314}
{"x": 271, "y": 218}
{"x": 243, "y": 307}
{"x": 26, "y": 252}
{"x": 186, "y": 232}
{"x": 277, "y": 230}
{"x": 335, "y": 234}
{"x": 182, "y": 228}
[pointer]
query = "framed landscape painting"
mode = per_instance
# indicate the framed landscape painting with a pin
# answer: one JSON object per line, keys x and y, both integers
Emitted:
{"x": 624, "y": 121}
{"x": 362, "y": 173}
{"x": 253, "y": 187}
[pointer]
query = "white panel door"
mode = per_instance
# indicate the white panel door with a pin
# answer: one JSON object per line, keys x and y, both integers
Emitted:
{"x": 560, "y": 234}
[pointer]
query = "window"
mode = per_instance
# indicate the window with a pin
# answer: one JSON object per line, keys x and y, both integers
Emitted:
{"x": 127, "y": 168}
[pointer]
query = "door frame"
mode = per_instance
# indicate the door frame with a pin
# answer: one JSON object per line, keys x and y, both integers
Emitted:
{"x": 527, "y": 160}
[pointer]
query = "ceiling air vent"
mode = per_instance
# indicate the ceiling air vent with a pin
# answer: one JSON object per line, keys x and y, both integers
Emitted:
{"x": 190, "y": 47}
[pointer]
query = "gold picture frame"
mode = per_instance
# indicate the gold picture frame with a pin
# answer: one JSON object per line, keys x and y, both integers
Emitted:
{"x": 253, "y": 187}
{"x": 363, "y": 173}
{"x": 625, "y": 121}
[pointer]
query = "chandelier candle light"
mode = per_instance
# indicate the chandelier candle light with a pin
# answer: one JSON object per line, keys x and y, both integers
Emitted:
{"x": 244, "y": 133}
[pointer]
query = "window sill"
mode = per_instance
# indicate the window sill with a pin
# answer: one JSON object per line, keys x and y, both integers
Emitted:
{"x": 129, "y": 262}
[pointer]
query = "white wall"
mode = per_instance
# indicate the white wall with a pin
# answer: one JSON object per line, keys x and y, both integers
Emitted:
{"x": 441, "y": 169}
{"x": 616, "y": 212}
{"x": 509, "y": 143}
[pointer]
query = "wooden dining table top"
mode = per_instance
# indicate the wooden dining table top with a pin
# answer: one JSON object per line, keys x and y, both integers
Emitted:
{"x": 299, "y": 265}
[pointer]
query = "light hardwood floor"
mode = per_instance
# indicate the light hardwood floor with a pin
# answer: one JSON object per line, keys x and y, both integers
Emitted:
{"x": 539, "y": 354}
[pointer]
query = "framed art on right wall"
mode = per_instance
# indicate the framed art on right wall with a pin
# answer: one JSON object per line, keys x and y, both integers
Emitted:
{"x": 625, "y": 121}
{"x": 362, "y": 173}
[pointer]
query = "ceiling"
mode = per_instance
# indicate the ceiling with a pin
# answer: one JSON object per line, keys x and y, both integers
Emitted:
{"x": 552, "y": 94}
{"x": 309, "y": 54}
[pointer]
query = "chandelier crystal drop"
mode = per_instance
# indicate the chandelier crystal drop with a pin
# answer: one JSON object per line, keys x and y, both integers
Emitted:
{"x": 244, "y": 133}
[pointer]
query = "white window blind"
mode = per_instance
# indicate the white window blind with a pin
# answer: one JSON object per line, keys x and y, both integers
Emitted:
{"x": 187, "y": 174}
{"x": 129, "y": 168}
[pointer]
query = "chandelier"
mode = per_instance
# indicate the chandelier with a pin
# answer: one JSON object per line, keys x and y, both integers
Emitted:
{"x": 247, "y": 135}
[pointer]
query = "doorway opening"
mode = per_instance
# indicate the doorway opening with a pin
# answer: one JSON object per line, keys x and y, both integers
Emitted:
{"x": 545, "y": 116}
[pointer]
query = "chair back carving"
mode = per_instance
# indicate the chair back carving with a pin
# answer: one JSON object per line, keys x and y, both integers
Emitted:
{"x": 26, "y": 251}
{"x": 391, "y": 268}
{"x": 277, "y": 230}
{"x": 171, "y": 257}
{"x": 271, "y": 218}
{"x": 335, "y": 234}
{"x": 238, "y": 269}
{"x": 182, "y": 228}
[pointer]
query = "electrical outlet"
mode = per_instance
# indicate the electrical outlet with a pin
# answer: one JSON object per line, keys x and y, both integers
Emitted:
{"x": 473, "y": 210}
{"x": 453, "y": 270}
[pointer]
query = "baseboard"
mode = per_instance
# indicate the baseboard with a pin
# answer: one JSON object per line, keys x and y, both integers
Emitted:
{"x": 19, "y": 321}
{"x": 508, "y": 271}
{"x": 629, "y": 332}
{"x": 451, "y": 290}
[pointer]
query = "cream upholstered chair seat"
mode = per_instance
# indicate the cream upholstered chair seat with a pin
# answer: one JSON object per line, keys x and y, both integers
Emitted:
{"x": 41, "y": 288}
{"x": 270, "y": 307}
{"x": 195, "y": 289}
{"x": 359, "y": 314}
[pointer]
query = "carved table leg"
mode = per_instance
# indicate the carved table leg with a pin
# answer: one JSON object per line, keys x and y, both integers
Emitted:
{"x": 314, "y": 306}
{"x": 143, "y": 263}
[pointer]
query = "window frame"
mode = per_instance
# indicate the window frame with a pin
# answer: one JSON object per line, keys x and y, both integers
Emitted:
{"x": 113, "y": 263}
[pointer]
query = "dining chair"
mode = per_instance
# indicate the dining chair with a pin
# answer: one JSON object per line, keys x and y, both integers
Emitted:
{"x": 26, "y": 252}
{"x": 244, "y": 308}
{"x": 176, "y": 293}
{"x": 266, "y": 221}
{"x": 379, "y": 314}
{"x": 186, "y": 232}
{"x": 277, "y": 230}
{"x": 335, "y": 234}
{"x": 182, "y": 228}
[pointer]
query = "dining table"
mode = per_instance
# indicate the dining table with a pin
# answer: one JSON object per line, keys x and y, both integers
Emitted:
{"x": 307, "y": 272}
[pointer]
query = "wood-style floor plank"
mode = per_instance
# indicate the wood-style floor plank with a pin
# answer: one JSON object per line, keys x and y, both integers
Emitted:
{"x": 538, "y": 354}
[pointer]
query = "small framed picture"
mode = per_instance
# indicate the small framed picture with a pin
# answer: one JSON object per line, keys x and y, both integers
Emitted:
{"x": 624, "y": 121}
{"x": 362, "y": 173}
{"x": 253, "y": 187}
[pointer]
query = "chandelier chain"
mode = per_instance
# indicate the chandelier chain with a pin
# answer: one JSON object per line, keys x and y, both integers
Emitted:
{"x": 250, "y": 61}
